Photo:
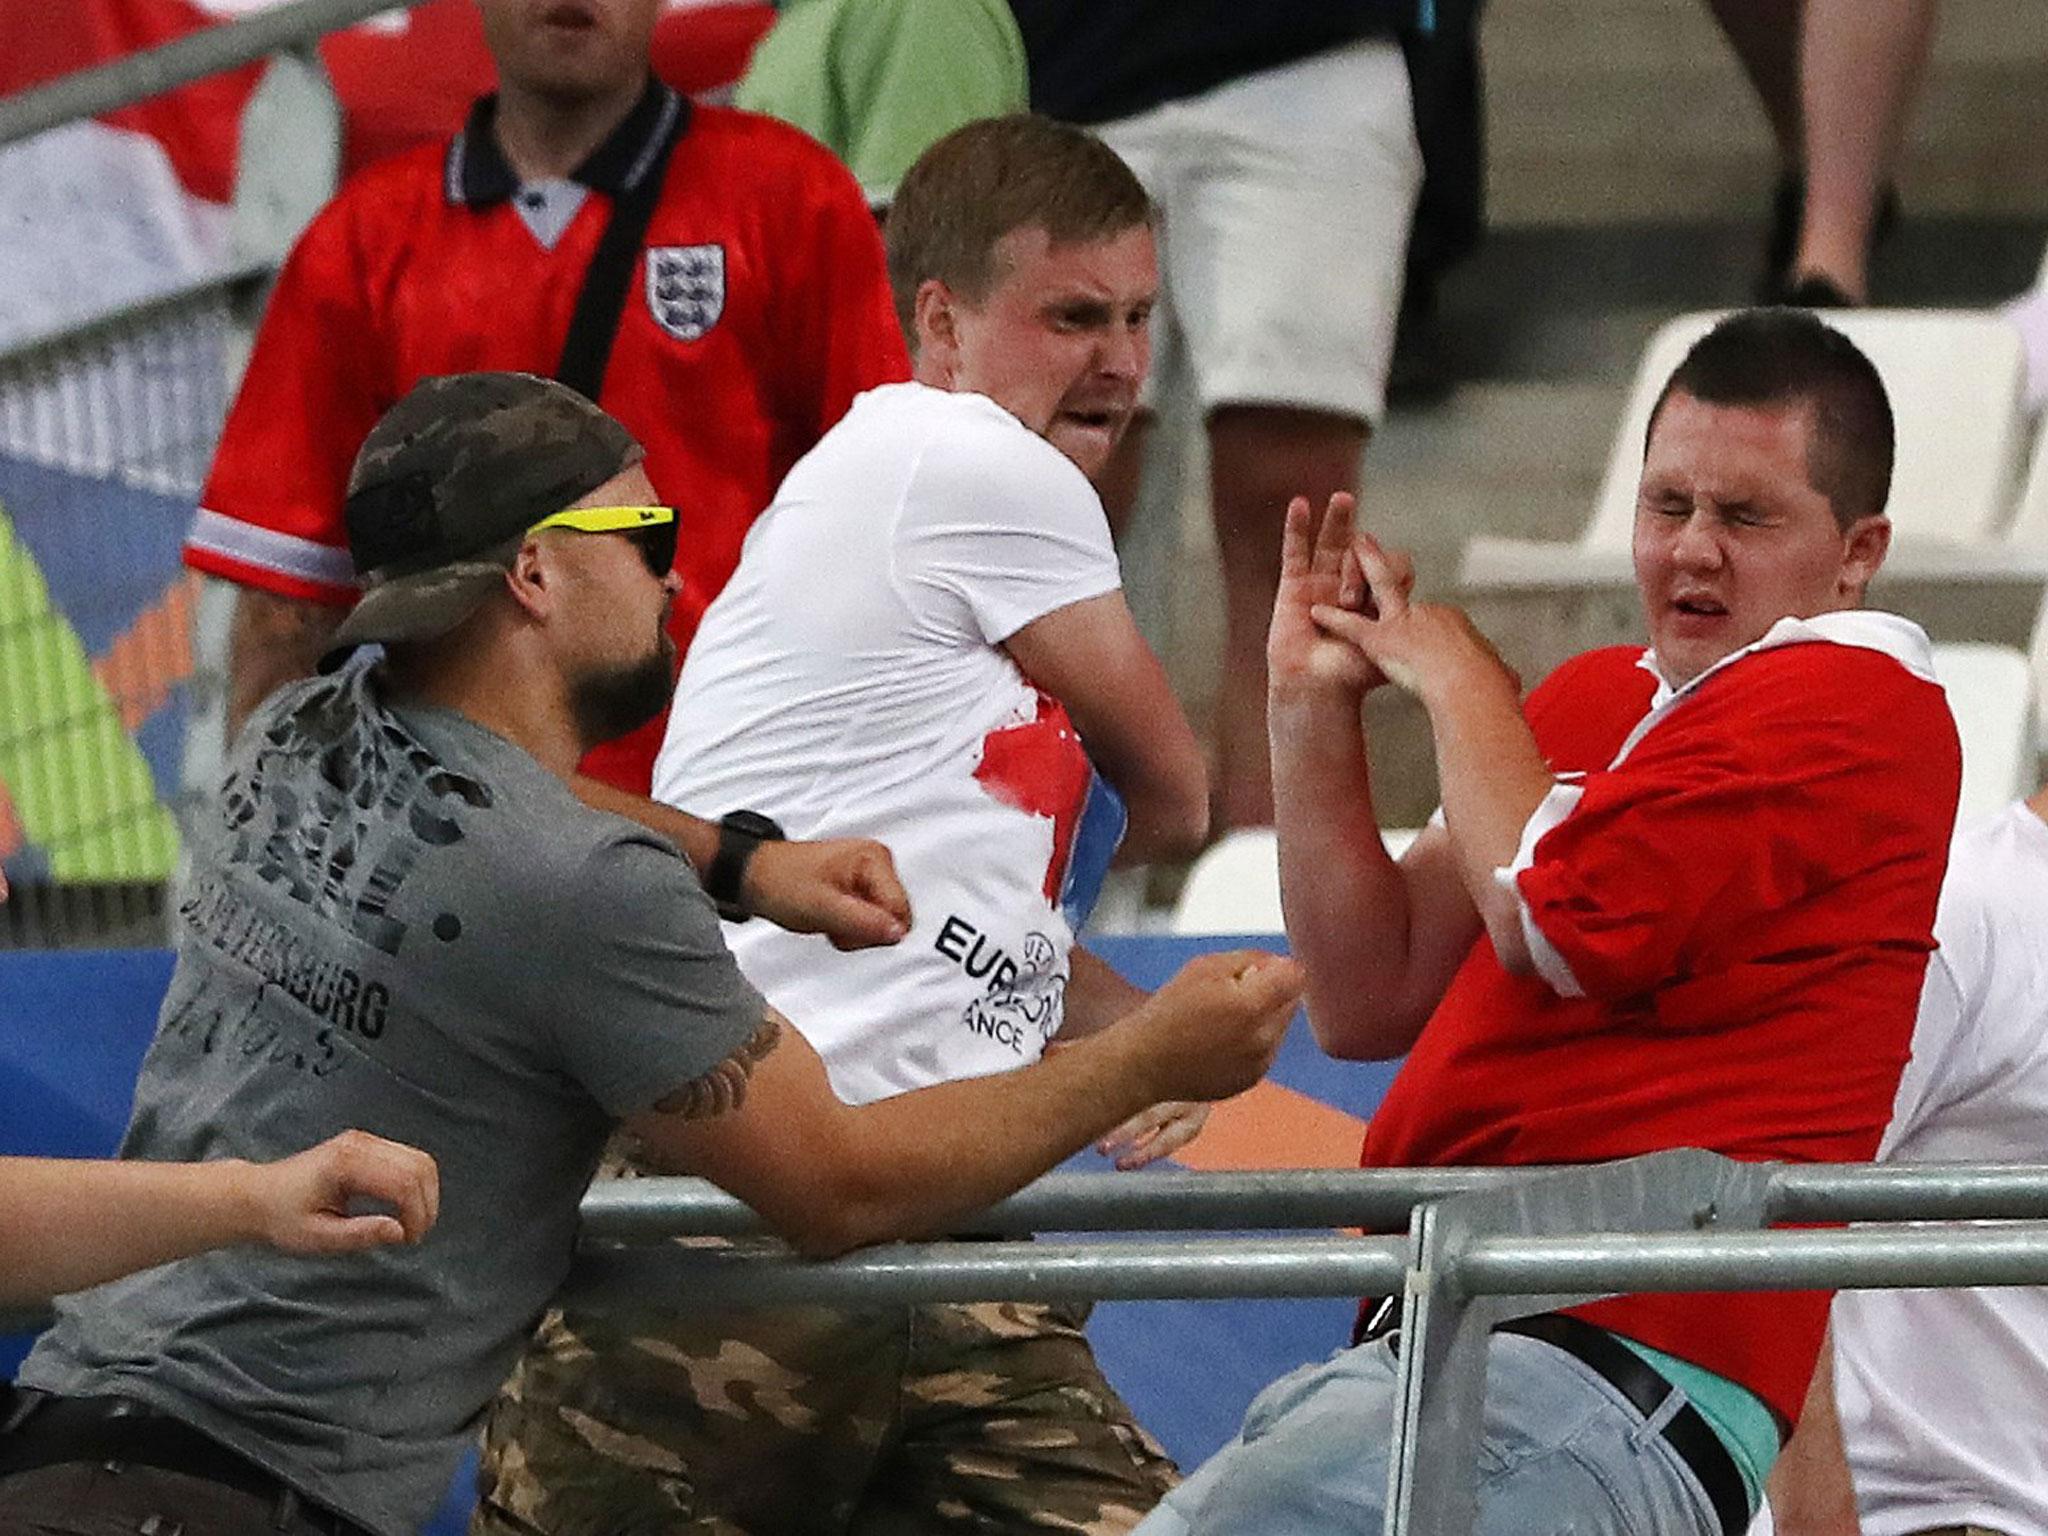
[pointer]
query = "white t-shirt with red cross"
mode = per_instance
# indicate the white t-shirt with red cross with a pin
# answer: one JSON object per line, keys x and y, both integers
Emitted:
{"x": 850, "y": 681}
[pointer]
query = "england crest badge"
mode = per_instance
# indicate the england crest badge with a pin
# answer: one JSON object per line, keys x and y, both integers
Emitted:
{"x": 686, "y": 288}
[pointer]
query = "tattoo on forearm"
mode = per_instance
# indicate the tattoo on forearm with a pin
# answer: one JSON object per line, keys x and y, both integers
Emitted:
{"x": 724, "y": 1088}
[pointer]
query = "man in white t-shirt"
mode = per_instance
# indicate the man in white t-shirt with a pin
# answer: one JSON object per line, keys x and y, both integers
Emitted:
{"x": 1938, "y": 1396}
{"x": 925, "y": 642}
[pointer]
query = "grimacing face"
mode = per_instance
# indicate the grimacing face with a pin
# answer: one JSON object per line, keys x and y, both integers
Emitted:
{"x": 570, "y": 51}
{"x": 1062, "y": 340}
{"x": 1731, "y": 536}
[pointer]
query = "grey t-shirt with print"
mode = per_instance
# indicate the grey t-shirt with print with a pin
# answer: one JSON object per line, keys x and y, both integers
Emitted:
{"x": 398, "y": 921}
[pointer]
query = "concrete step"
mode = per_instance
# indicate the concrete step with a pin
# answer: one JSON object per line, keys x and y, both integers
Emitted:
{"x": 1575, "y": 302}
{"x": 1519, "y": 458}
{"x": 1617, "y": 111}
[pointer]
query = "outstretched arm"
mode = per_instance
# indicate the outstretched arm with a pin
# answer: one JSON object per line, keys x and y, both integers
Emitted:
{"x": 1097, "y": 996}
{"x": 67, "y": 1224}
{"x": 829, "y": 1176}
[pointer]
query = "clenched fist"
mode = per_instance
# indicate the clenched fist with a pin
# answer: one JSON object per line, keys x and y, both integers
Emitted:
{"x": 1212, "y": 1030}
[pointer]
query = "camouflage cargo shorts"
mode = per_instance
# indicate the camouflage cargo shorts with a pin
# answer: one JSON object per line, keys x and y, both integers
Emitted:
{"x": 808, "y": 1422}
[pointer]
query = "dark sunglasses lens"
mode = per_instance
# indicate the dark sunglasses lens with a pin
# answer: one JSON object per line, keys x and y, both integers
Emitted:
{"x": 657, "y": 546}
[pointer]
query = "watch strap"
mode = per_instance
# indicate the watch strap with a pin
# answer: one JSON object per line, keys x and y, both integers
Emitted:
{"x": 740, "y": 833}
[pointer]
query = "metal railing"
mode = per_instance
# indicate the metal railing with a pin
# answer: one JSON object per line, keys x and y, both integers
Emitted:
{"x": 1483, "y": 1246}
{"x": 137, "y": 395}
{"x": 649, "y": 1209}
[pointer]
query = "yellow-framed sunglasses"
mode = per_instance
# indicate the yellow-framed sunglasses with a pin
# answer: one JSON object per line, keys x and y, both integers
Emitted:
{"x": 652, "y": 529}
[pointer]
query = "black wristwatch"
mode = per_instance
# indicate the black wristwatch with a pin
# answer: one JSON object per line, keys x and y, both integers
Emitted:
{"x": 739, "y": 834}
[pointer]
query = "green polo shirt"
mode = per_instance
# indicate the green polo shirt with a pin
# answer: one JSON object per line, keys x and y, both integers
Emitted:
{"x": 876, "y": 81}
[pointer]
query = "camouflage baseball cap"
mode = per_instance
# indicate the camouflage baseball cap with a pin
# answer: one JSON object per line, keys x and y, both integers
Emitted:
{"x": 447, "y": 483}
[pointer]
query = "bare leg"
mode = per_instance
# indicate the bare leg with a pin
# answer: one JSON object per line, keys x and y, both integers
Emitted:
{"x": 1765, "y": 37}
{"x": 1260, "y": 456}
{"x": 1862, "y": 61}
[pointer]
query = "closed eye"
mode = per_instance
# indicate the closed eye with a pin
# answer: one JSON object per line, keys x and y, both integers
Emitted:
{"x": 1079, "y": 317}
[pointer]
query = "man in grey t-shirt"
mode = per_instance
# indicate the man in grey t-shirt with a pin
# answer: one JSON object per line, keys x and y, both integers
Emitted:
{"x": 402, "y": 918}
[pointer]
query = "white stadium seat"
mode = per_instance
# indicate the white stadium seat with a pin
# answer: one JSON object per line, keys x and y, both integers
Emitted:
{"x": 1234, "y": 887}
{"x": 1991, "y": 692}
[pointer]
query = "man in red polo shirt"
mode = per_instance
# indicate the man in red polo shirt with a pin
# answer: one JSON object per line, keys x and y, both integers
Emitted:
{"x": 756, "y": 309}
{"x": 1682, "y": 897}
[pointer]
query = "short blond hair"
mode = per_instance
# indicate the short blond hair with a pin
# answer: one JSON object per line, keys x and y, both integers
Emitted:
{"x": 984, "y": 180}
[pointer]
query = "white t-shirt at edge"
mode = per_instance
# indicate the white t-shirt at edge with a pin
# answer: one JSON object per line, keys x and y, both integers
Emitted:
{"x": 1943, "y": 1394}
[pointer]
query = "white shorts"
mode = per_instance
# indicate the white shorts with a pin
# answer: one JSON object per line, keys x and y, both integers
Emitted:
{"x": 1286, "y": 198}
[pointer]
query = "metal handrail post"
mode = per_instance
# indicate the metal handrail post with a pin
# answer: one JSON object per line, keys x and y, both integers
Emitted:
{"x": 1447, "y": 1324}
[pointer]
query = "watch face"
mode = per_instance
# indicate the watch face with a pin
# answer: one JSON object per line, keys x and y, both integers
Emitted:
{"x": 753, "y": 824}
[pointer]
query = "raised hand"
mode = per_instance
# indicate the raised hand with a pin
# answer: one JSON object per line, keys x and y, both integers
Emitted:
{"x": 1415, "y": 646}
{"x": 1358, "y": 598}
{"x": 1319, "y": 567}
{"x": 843, "y": 887}
{"x": 303, "y": 1201}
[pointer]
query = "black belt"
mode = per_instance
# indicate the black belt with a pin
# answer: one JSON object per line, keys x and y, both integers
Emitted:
{"x": 1635, "y": 1379}
{"x": 42, "y": 1430}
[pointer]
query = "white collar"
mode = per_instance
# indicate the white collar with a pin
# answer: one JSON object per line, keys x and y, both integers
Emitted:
{"x": 1865, "y": 628}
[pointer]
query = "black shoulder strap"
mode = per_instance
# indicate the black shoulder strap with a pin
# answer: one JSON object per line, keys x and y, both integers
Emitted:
{"x": 602, "y": 299}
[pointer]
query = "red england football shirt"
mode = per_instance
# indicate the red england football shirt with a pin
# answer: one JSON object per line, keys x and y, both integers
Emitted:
{"x": 1747, "y": 901}
{"x": 423, "y": 265}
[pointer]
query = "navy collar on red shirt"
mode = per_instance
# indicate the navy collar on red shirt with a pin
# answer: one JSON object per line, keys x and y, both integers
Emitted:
{"x": 478, "y": 175}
